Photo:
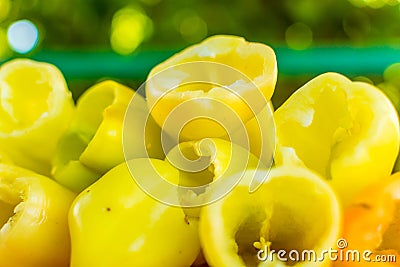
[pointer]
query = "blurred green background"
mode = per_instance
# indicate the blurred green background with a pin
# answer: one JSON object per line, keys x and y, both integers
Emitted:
{"x": 90, "y": 40}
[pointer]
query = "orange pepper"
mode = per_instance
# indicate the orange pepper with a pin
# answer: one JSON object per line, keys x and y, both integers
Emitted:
{"x": 372, "y": 222}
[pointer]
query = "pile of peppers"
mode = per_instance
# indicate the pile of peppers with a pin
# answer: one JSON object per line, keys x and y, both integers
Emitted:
{"x": 69, "y": 197}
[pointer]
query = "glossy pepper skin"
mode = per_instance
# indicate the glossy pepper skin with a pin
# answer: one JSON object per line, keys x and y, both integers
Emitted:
{"x": 346, "y": 131}
{"x": 94, "y": 142}
{"x": 372, "y": 222}
{"x": 293, "y": 209}
{"x": 33, "y": 219}
{"x": 114, "y": 223}
{"x": 36, "y": 108}
{"x": 5, "y": 159}
{"x": 219, "y": 62}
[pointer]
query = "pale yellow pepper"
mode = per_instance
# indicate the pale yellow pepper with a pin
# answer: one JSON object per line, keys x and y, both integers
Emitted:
{"x": 212, "y": 86}
{"x": 294, "y": 209}
{"x": 33, "y": 220}
{"x": 115, "y": 223}
{"x": 94, "y": 142}
{"x": 36, "y": 108}
{"x": 346, "y": 131}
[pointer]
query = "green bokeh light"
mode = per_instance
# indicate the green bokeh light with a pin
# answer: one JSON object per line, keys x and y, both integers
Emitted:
{"x": 130, "y": 27}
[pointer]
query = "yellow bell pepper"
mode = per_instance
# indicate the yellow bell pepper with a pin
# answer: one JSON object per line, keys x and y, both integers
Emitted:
{"x": 260, "y": 132}
{"x": 114, "y": 223}
{"x": 212, "y": 87}
{"x": 209, "y": 160}
{"x": 94, "y": 142}
{"x": 294, "y": 209}
{"x": 346, "y": 131}
{"x": 35, "y": 110}
{"x": 5, "y": 159}
{"x": 33, "y": 219}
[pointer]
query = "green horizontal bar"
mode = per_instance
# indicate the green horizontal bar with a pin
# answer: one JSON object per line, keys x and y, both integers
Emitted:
{"x": 346, "y": 60}
{"x": 93, "y": 65}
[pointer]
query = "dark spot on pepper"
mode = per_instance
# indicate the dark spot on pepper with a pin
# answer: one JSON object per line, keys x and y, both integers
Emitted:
{"x": 108, "y": 209}
{"x": 186, "y": 220}
{"x": 365, "y": 206}
{"x": 88, "y": 191}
